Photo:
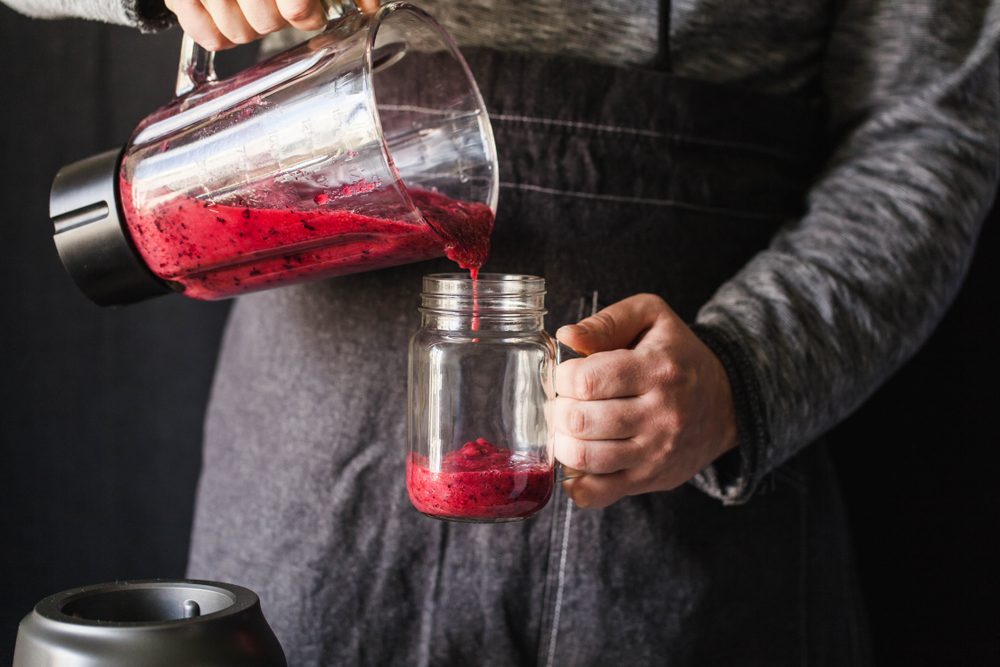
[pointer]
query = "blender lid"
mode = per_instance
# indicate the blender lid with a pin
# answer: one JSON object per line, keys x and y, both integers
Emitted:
{"x": 149, "y": 623}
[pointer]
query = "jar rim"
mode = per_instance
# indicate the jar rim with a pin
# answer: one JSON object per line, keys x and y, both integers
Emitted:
{"x": 487, "y": 284}
{"x": 492, "y": 295}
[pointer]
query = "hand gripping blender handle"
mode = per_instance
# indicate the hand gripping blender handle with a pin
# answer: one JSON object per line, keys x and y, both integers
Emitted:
{"x": 197, "y": 64}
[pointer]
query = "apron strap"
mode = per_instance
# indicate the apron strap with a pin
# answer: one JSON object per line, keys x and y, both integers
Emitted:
{"x": 662, "y": 61}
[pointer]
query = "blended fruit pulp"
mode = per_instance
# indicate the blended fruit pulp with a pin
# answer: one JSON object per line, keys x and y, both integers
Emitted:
{"x": 479, "y": 481}
{"x": 213, "y": 251}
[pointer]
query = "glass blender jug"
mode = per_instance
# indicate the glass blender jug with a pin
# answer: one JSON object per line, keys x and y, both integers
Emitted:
{"x": 365, "y": 147}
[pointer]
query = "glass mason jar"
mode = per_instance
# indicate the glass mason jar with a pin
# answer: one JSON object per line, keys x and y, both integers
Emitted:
{"x": 481, "y": 377}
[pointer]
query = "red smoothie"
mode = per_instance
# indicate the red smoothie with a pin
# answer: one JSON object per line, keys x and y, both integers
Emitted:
{"x": 213, "y": 251}
{"x": 479, "y": 481}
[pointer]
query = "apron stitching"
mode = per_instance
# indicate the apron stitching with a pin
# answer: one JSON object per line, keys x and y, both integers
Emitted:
{"x": 671, "y": 203}
{"x": 427, "y": 618}
{"x": 803, "y": 577}
{"x": 564, "y": 550}
{"x": 560, "y": 586}
{"x": 551, "y": 577}
{"x": 653, "y": 134}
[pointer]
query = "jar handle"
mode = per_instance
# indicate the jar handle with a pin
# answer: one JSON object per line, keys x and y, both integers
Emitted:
{"x": 564, "y": 352}
{"x": 197, "y": 64}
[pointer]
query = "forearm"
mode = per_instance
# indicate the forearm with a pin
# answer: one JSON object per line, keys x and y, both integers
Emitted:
{"x": 147, "y": 15}
{"x": 813, "y": 325}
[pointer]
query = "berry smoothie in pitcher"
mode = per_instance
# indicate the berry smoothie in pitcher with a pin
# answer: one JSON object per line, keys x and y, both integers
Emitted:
{"x": 213, "y": 251}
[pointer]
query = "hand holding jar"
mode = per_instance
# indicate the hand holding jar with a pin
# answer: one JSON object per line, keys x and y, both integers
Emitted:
{"x": 646, "y": 409}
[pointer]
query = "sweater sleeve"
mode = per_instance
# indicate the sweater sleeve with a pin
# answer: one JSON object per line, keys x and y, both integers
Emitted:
{"x": 841, "y": 298}
{"x": 146, "y": 15}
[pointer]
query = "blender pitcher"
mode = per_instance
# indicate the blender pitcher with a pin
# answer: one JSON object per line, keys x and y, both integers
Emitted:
{"x": 365, "y": 147}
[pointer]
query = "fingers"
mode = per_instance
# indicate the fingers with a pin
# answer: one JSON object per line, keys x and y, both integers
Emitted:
{"x": 620, "y": 325}
{"x": 614, "y": 374}
{"x": 598, "y": 457}
{"x": 262, "y": 15}
{"x": 198, "y": 23}
{"x": 613, "y": 419}
{"x": 229, "y": 19}
{"x": 598, "y": 491}
{"x": 303, "y": 14}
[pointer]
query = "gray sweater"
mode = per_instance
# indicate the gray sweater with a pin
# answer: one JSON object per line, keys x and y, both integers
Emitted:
{"x": 845, "y": 295}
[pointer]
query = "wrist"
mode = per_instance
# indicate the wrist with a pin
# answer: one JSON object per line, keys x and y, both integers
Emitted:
{"x": 735, "y": 474}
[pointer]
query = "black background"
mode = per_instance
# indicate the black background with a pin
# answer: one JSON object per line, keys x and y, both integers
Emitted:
{"x": 100, "y": 410}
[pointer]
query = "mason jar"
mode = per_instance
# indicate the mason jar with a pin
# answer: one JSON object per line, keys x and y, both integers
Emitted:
{"x": 481, "y": 377}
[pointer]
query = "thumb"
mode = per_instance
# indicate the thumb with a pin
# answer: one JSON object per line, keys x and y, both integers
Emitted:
{"x": 620, "y": 325}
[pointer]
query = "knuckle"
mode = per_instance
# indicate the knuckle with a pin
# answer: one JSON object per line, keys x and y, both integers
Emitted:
{"x": 579, "y": 457}
{"x": 576, "y": 421}
{"x": 297, "y": 10}
{"x": 653, "y": 299}
{"x": 267, "y": 25}
{"x": 585, "y": 384}
{"x": 669, "y": 372}
{"x": 214, "y": 42}
{"x": 243, "y": 37}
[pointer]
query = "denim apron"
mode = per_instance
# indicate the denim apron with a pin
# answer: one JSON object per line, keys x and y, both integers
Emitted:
{"x": 613, "y": 182}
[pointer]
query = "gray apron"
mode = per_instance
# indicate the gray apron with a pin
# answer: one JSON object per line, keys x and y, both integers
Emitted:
{"x": 613, "y": 182}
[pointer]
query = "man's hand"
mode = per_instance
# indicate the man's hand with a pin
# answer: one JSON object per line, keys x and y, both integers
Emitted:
{"x": 221, "y": 24}
{"x": 647, "y": 408}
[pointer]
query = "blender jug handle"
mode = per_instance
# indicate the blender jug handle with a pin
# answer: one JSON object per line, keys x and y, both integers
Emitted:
{"x": 197, "y": 65}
